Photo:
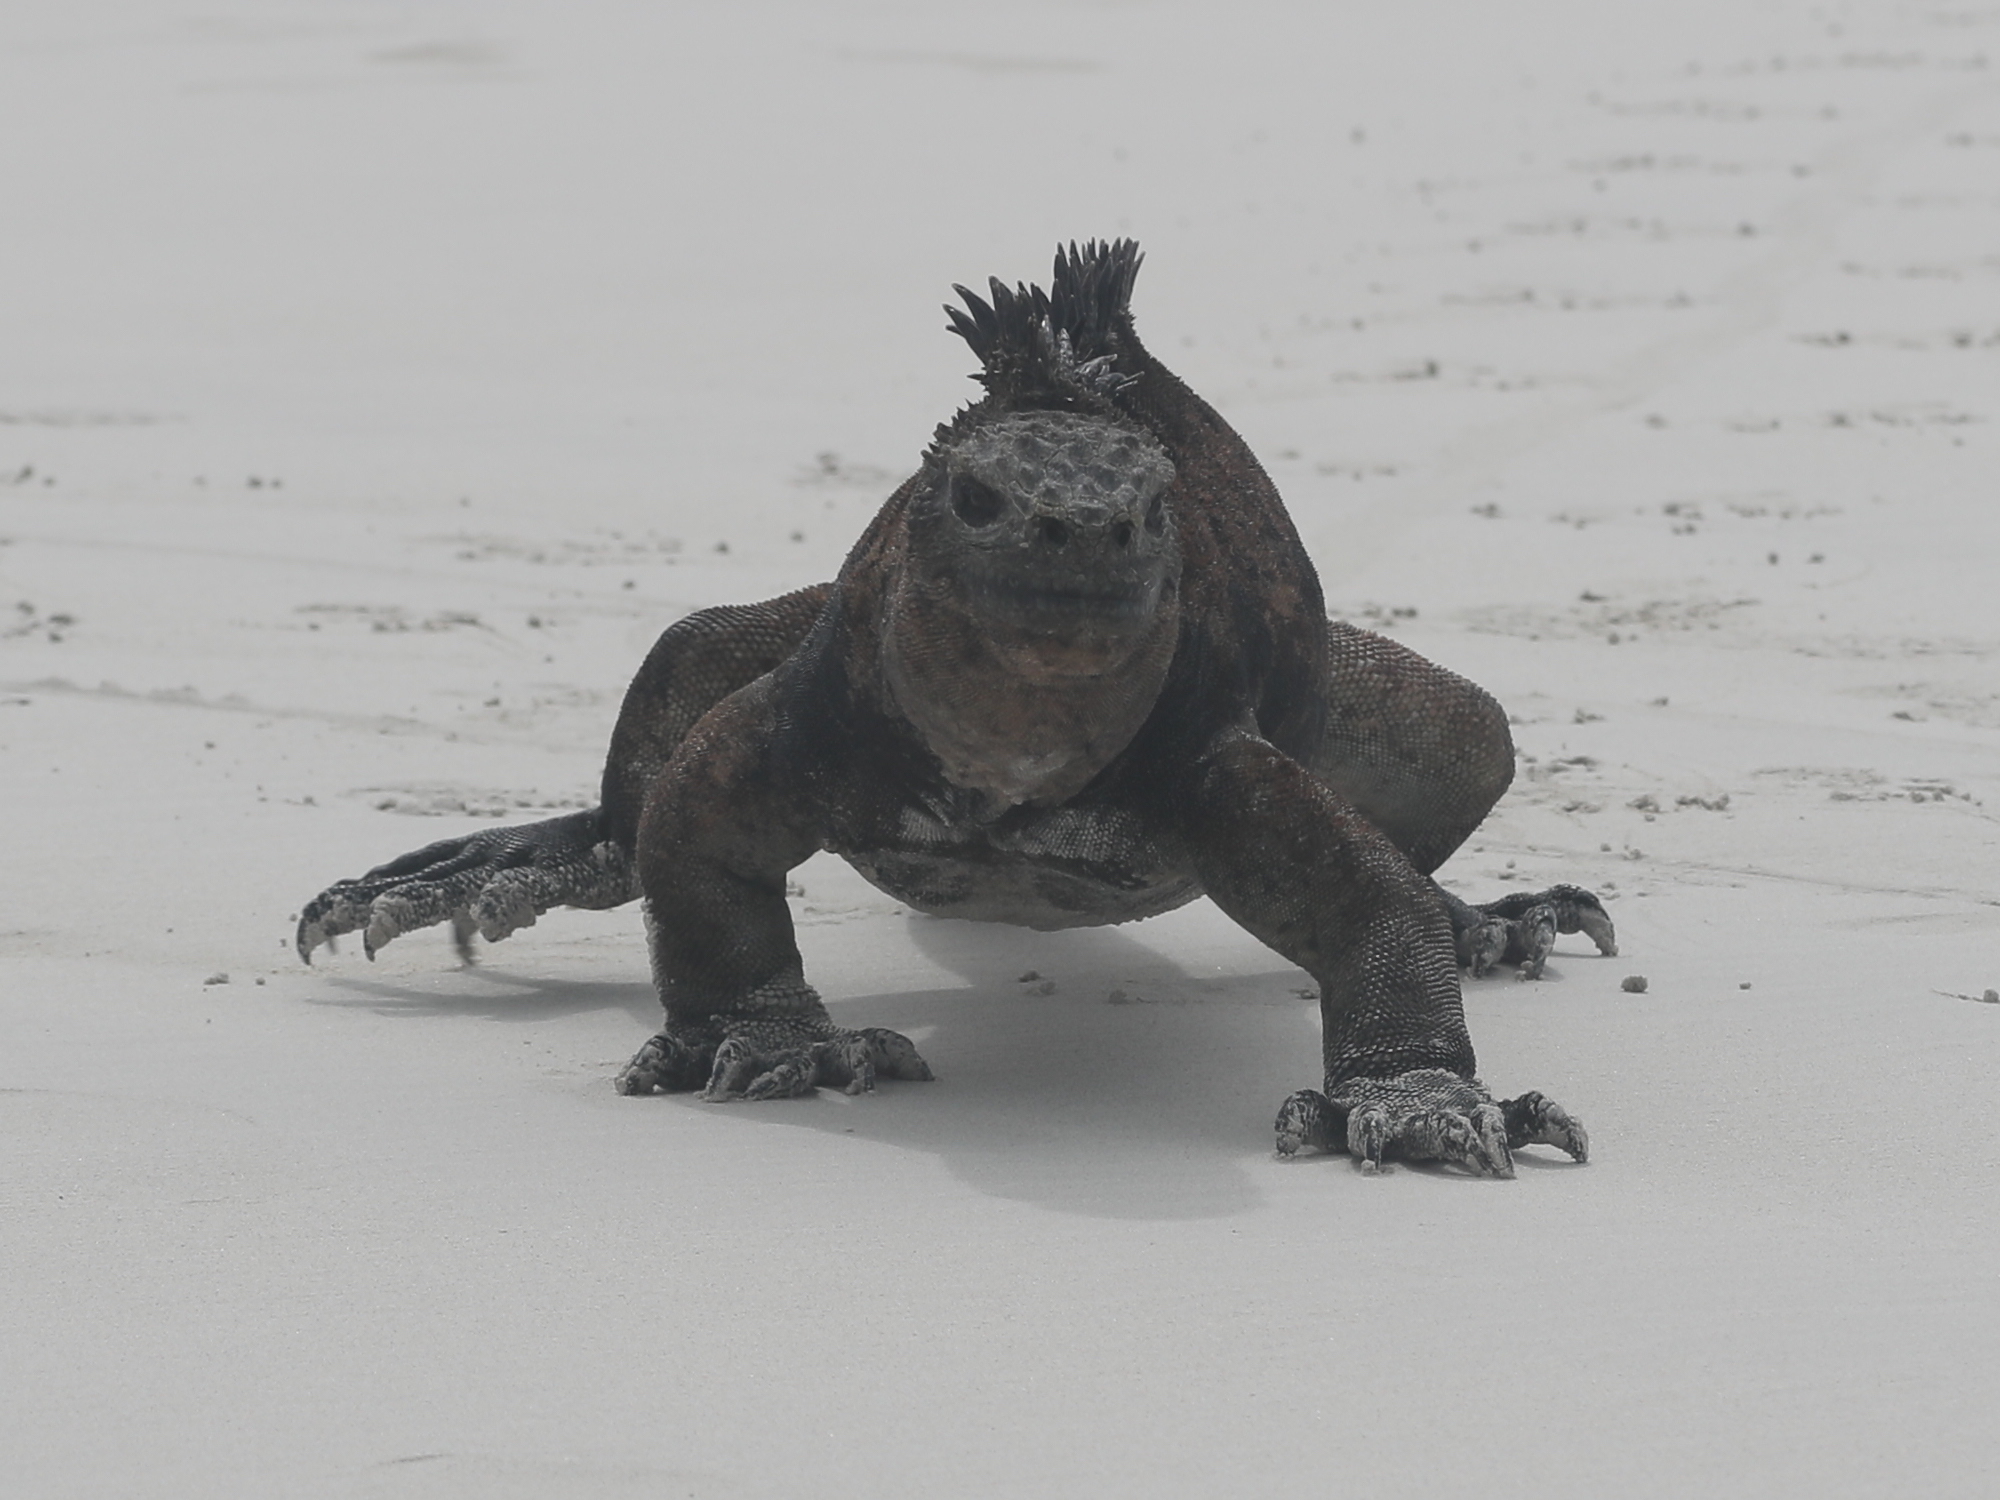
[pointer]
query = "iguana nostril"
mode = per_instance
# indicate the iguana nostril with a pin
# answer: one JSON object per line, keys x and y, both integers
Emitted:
{"x": 1052, "y": 531}
{"x": 1121, "y": 535}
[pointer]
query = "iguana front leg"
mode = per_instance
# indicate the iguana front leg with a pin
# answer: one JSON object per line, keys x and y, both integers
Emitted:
{"x": 723, "y": 827}
{"x": 1302, "y": 870}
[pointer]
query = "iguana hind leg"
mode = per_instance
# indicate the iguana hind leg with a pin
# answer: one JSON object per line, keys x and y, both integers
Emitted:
{"x": 499, "y": 880}
{"x": 1419, "y": 750}
{"x": 495, "y": 882}
{"x": 1424, "y": 754}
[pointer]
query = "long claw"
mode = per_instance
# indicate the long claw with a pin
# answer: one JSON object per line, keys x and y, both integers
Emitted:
{"x": 1596, "y": 925}
{"x": 1538, "y": 939}
{"x": 322, "y": 919}
{"x": 665, "y": 1062}
{"x": 1368, "y": 1136}
{"x": 1534, "y": 1120}
{"x": 1487, "y": 946}
{"x": 846, "y": 1063}
{"x": 895, "y": 1055}
{"x": 1474, "y": 1140}
{"x": 1579, "y": 910}
{"x": 791, "y": 1076}
{"x": 733, "y": 1070}
{"x": 1489, "y": 1143}
{"x": 1309, "y": 1119}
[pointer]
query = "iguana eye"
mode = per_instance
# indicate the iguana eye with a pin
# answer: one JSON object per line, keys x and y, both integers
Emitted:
{"x": 974, "y": 502}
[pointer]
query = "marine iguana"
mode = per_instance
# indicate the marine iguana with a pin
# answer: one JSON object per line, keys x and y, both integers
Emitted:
{"x": 1077, "y": 671}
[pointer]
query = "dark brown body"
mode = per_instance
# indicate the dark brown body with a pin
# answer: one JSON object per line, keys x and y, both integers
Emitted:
{"x": 1077, "y": 671}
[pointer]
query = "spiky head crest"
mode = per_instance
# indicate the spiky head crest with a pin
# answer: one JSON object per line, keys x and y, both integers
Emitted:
{"x": 1061, "y": 345}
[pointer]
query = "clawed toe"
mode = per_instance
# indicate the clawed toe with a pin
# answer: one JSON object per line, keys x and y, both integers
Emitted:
{"x": 381, "y": 914}
{"x": 495, "y": 882}
{"x": 1534, "y": 1120}
{"x": 326, "y": 917}
{"x": 664, "y": 1065}
{"x": 1475, "y": 1140}
{"x": 1578, "y": 910}
{"x": 1310, "y": 1121}
{"x": 760, "y": 1060}
{"x": 895, "y": 1055}
{"x": 1521, "y": 929}
{"x": 1595, "y": 923}
{"x": 1425, "y": 1116}
{"x": 790, "y": 1075}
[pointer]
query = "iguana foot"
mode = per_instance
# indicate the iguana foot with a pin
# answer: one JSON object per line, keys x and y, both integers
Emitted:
{"x": 764, "y": 1057}
{"x": 1426, "y": 1115}
{"x": 494, "y": 882}
{"x": 1521, "y": 929}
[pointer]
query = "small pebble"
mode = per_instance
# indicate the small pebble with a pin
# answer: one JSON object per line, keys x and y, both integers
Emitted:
{"x": 1633, "y": 984}
{"x": 1744, "y": 985}
{"x": 1991, "y": 997}
{"x": 217, "y": 978}
{"x": 1029, "y": 978}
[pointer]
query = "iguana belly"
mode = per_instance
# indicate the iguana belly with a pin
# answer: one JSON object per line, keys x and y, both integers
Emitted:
{"x": 1072, "y": 867}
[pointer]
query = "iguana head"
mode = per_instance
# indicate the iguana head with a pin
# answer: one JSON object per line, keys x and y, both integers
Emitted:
{"x": 1046, "y": 507}
{"x": 1033, "y": 607}
{"x": 1055, "y": 533}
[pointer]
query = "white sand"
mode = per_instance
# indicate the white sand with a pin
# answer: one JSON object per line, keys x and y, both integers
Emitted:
{"x": 376, "y": 380}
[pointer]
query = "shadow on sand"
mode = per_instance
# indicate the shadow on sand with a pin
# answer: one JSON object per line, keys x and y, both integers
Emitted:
{"x": 1134, "y": 1089}
{"x": 498, "y": 994}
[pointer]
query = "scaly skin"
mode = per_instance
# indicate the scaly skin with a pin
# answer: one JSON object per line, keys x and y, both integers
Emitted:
{"x": 1077, "y": 671}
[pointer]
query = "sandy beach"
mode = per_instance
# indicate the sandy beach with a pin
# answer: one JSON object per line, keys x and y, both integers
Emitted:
{"x": 380, "y": 379}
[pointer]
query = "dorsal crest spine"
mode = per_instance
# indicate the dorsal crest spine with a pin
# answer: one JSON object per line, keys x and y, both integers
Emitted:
{"x": 1063, "y": 342}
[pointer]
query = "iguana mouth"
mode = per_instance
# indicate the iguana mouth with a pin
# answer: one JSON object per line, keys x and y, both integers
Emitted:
{"x": 1052, "y": 602}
